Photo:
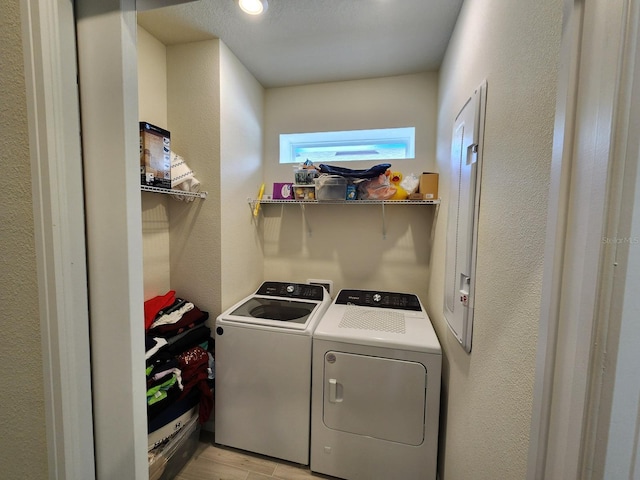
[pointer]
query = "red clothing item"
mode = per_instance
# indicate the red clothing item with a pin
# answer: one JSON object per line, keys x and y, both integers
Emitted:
{"x": 155, "y": 304}
{"x": 193, "y": 364}
{"x": 188, "y": 320}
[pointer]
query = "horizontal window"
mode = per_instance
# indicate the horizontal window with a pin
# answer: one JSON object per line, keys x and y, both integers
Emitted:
{"x": 347, "y": 146}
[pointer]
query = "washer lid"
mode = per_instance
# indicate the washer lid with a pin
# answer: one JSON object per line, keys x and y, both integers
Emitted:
{"x": 281, "y": 310}
{"x": 263, "y": 311}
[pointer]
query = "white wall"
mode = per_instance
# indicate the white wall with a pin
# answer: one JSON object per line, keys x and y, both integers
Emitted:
{"x": 487, "y": 394}
{"x": 402, "y": 101}
{"x": 186, "y": 234}
{"x": 241, "y": 126}
{"x": 193, "y": 106}
{"x": 346, "y": 243}
{"x": 23, "y": 444}
{"x": 152, "y": 79}
{"x": 152, "y": 106}
{"x": 215, "y": 116}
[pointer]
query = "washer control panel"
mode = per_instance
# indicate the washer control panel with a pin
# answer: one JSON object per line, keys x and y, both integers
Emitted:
{"x": 291, "y": 290}
{"x": 371, "y": 298}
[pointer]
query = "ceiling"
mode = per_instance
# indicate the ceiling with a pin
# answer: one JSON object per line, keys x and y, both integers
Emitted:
{"x": 311, "y": 41}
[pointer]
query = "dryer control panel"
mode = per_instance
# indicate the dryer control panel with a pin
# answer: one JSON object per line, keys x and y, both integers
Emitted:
{"x": 291, "y": 290}
{"x": 372, "y": 298}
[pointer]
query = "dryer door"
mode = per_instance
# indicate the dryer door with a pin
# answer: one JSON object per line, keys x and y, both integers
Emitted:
{"x": 378, "y": 397}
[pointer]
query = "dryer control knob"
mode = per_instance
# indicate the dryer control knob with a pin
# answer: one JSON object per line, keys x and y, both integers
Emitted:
{"x": 377, "y": 297}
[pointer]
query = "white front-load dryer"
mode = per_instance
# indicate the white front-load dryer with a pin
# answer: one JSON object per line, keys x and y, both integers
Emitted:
{"x": 376, "y": 375}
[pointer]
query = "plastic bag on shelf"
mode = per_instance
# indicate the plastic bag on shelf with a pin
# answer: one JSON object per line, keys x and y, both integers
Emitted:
{"x": 378, "y": 188}
{"x": 410, "y": 183}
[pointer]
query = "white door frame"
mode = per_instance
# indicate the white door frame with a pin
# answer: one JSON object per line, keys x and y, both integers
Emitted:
{"x": 611, "y": 441}
{"x": 58, "y": 202}
{"x": 593, "y": 90}
{"x": 95, "y": 428}
{"x": 91, "y": 431}
{"x": 108, "y": 78}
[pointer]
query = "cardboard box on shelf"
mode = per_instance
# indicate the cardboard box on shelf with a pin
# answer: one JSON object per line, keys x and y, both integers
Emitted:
{"x": 428, "y": 186}
{"x": 155, "y": 156}
{"x": 416, "y": 196}
{"x": 282, "y": 191}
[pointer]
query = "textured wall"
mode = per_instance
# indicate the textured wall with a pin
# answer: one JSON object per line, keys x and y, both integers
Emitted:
{"x": 345, "y": 243}
{"x": 186, "y": 234}
{"x": 241, "y": 168}
{"x": 152, "y": 105}
{"x": 400, "y": 101}
{"x": 152, "y": 79}
{"x": 193, "y": 107}
{"x": 488, "y": 393}
{"x": 23, "y": 448}
{"x": 229, "y": 110}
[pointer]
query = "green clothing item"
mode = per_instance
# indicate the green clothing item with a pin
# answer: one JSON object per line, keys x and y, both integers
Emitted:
{"x": 159, "y": 392}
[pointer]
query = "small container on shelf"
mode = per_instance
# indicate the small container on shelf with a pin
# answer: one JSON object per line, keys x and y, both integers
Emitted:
{"x": 352, "y": 192}
{"x": 305, "y": 176}
{"x": 331, "y": 187}
{"x": 304, "y": 192}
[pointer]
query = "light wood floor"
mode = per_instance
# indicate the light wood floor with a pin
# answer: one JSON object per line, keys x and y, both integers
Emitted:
{"x": 213, "y": 462}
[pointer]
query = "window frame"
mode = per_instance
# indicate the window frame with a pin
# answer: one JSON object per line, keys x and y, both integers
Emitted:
{"x": 291, "y": 142}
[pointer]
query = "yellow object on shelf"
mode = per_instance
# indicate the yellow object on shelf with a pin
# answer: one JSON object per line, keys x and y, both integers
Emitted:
{"x": 401, "y": 193}
{"x": 256, "y": 209}
{"x": 395, "y": 178}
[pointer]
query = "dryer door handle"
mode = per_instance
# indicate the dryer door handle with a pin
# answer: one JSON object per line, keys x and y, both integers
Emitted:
{"x": 335, "y": 391}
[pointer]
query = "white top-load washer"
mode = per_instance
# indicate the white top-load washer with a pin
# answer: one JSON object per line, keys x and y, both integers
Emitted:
{"x": 375, "y": 388}
{"x": 263, "y": 370}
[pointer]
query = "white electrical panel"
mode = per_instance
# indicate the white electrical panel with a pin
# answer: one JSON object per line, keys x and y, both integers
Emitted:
{"x": 464, "y": 200}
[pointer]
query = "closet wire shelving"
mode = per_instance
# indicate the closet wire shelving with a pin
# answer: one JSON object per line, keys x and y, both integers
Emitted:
{"x": 254, "y": 205}
{"x": 167, "y": 191}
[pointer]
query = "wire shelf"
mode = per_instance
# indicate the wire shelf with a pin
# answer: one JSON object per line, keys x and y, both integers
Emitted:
{"x": 255, "y": 204}
{"x": 167, "y": 191}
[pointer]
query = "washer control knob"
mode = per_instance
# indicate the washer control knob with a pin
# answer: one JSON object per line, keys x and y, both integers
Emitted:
{"x": 290, "y": 288}
{"x": 377, "y": 297}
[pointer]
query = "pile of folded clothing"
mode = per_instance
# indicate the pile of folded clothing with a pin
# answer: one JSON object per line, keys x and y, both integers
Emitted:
{"x": 179, "y": 365}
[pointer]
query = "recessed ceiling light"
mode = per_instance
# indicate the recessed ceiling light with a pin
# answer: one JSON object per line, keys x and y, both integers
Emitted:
{"x": 253, "y": 7}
